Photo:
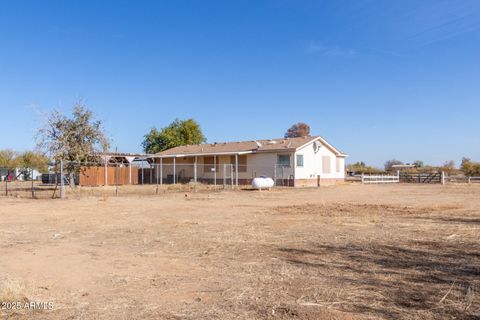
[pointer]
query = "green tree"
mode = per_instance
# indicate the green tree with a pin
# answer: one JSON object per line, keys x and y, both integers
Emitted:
{"x": 361, "y": 167}
{"x": 470, "y": 168}
{"x": 32, "y": 160}
{"x": 8, "y": 160}
{"x": 177, "y": 133}
{"x": 419, "y": 164}
{"x": 76, "y": 139}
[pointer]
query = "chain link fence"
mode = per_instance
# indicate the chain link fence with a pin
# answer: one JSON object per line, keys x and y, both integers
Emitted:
{"x": 139, "y": 177}
{"x": 24, "y": 183}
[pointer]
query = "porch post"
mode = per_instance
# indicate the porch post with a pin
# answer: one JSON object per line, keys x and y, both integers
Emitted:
{"x": 151, "y": 173}
{"x": 224, "y": 175}
{"x": 236, "y": 170}
{"x": 129, "y": 173}
{"x": 215, "y": 170}
{"x": 195, "y": 175}
{"x": 130, "y": 161}
{"x": 174, "y": 171}
{"x": 161, "y": 171}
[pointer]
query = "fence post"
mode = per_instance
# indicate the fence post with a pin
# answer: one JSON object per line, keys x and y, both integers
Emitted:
{"x": 161, "y": 171}
{"x": 443, "y": 177}
{"x": 156, "y": 175}
{"x": 274, "y": 175}
{"x": 363, "y": 178}
{"x": 224, "y": 176}
{"x": 116, "y": 179}
{"x": 6, "y": 183}
{"x": 151, "y": 175}
{"x": 195, "y": 175}
{"x": 231, "y": 175}
{"x": 33, "y": 184}
{"x": 105, "y": 174}
{"x": 62, "y": 184}
{"x": 469, "y": 180}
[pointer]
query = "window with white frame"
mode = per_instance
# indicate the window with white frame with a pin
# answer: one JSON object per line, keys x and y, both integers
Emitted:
{"x": 299, "y": 160}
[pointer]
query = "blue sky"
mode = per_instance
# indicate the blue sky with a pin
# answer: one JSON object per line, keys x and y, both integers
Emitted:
{"x": 378, "y": 79}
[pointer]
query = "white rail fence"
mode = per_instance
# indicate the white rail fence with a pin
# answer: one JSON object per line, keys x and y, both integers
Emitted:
{"x": 462, "y": 179}
{"x": 380, "y": 178}
{"x": 441, "y": 178}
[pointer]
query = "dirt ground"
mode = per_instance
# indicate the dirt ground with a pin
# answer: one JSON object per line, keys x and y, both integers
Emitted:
{"x": 344, "y": 252}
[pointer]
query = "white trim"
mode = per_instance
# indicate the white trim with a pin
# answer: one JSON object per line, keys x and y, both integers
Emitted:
{"x": 203, "y": 154}
{"x": 328, "y": 145}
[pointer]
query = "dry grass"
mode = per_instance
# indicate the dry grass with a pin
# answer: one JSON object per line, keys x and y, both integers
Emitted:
{"x": 349, "y": 252}
{"x": 14, "y": 290}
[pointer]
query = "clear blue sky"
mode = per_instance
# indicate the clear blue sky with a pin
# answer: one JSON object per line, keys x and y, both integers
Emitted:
{"x": 378, "y": 79}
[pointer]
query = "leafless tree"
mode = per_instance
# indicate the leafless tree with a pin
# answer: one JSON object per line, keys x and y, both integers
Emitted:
{"x": 390, "y": 163}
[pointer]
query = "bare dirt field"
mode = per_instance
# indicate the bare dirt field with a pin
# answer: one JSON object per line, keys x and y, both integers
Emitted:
{"x": 344, "y": 252}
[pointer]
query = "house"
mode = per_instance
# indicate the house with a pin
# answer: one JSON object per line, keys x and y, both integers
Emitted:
{"x": 19, "y": 174}
{"x": 302, "y": 161}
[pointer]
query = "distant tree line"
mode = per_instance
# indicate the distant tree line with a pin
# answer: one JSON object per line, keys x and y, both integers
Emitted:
{"x": 467, "y": 167}
{"x": 23, "y": 161}
{"x": 470, "y": 168}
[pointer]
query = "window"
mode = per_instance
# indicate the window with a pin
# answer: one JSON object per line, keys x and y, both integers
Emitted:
{"x": 299, "y": 160}
{"x": 283, "y": 160}
{"x": 242, "y": 163}
{"x": 338, "y": 165}
{"x": 326, "y": 165}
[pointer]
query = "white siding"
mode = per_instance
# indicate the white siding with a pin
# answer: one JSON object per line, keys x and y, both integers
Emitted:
{"x": 313, "y": 163}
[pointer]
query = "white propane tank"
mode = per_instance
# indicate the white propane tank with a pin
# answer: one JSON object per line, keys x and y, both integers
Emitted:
{"x": 262, "y": 182}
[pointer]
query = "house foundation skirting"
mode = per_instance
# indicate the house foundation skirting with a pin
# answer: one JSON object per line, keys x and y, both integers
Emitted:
{"x": 315, "y": 182}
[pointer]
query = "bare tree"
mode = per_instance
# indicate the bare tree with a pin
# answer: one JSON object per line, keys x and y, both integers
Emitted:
{"x": 390, "y": 163}
{"x": 449, "y": 166}
{"x": 75, "y": 140}
{"x": 299, "y": 129}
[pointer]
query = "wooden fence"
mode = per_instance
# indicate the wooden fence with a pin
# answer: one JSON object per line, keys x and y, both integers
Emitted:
{"x": 408, "y": 177}
{"x": 95, "y": 176}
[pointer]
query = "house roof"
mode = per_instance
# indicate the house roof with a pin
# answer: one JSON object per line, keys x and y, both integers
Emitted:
{"x": 244, "y": 147}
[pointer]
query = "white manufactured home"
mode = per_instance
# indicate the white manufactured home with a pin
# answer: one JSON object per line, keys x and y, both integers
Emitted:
{"x": 302, "y": 161}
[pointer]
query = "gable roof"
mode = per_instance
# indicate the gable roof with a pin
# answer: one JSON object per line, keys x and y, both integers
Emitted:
{"x": 244, "y": 147}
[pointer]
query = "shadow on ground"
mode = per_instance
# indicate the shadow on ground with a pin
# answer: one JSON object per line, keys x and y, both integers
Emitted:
{"x": 419, "y": 279}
